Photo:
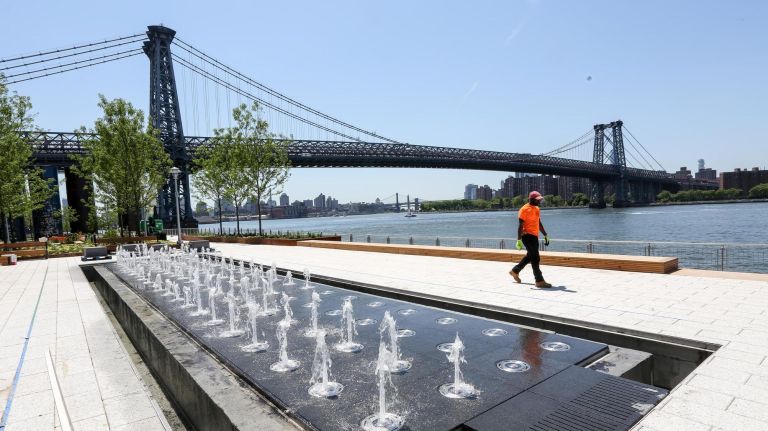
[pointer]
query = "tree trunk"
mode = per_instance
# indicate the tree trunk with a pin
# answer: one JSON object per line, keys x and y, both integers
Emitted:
{"x": 237, "y": 218}
{"x": 258, "y": 212}
{"x": 7, "y": 229}
{"x": 221, "y": 228}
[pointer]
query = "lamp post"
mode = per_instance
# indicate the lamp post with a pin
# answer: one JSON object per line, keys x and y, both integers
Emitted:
{"x": 175, "y": 172}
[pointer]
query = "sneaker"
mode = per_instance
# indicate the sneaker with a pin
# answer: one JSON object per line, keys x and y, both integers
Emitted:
{"x": 515, "y": 275}
{"x": 543, "y": 284}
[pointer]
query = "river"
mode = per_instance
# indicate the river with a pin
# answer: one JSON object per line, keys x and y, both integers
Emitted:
{"x": 735, "y": 223}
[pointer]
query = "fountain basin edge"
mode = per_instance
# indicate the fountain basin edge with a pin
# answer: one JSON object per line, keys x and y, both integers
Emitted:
{"x": 205, "y": 394}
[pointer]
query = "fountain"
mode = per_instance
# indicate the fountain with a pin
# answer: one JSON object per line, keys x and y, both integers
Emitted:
{"x": 234, "y": 318}
{"x": 158, "y": 285}
{"x": 268, "y": 307}
{"x": 312, "y": 330}
{"x": 322, "y": 387}
{"x": 307, "y": 276}
{"x": 285, "y": 364}
{"x": 187, "y": 295}
{"x": 212, "y": 305}
{"x": 348, "y": 330}
{"x": 245, "y": 287}
{"x": 287, "y": 311}
{"x": 197, "y": 292}
{"x": 256, "y": 345}
{"x": 288, "y": 280}
{"x": 459, "y": 388}
{"x": 383, "y": 420}
{"x": 388, "y": 328}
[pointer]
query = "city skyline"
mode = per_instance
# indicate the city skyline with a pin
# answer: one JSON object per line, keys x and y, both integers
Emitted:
{"x": 517, "y": 77}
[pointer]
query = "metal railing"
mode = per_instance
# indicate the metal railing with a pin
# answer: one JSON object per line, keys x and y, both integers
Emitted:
{"x": 713, "y": 256}
{"x": 231, "y": 231}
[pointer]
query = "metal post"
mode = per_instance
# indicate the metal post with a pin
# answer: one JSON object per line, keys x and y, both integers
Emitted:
{"x": 175, "y": 172}
{"x": 722, "y": 257}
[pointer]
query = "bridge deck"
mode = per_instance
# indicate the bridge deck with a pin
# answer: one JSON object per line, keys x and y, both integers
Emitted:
{"x": 648, "y": 264}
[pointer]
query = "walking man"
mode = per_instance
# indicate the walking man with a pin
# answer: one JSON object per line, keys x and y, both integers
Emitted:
{"x": 528, "y": 235}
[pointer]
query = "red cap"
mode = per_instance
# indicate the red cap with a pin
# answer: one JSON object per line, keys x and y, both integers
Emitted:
{"x": 535, "y": 195}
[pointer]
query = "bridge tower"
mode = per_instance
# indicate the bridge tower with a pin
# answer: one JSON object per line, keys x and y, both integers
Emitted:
{"x": 617, "y": 158}
{"x": 164, "y": 112}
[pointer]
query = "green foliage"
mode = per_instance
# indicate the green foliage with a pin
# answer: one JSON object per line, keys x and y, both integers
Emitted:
{"x": 243, "y": 161}
{"x": 68, "y": 216}
{"x": 579, "y": 199}
{"x": 22, "y": 188}
{"x": 111, "y": 233}
{"x": 759, "y": 191}
{"x": 201, "y": 208}
{"x": 126, "y": 161}
{"x": 699, "y": 195}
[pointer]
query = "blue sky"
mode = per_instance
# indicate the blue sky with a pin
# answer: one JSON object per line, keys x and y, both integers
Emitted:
{"x": 687, "y": 77}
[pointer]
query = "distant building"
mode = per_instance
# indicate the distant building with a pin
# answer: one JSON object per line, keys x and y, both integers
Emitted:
{"x": 743, "y": 179}
{"x": 331, "y": 203}
{"x": 705, "y": 173}
{"x": 568, "y": 186}
{"x": 309, "y": 203}
{"x": 683, "y": 174}
{"x": 284, "y": 200}
{"x": 470, "y": 191}
{"x": 485, "y": 193}
{"x": 320, "y": 202}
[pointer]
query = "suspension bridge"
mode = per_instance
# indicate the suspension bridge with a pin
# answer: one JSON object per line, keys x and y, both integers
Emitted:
{"x": 608, "y": 154}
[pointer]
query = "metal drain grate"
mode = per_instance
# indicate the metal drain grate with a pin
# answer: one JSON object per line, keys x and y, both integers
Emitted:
{"x": 567, "y": 418}
{"x": 618, "y": 398}
{"x": 611, "y": 404}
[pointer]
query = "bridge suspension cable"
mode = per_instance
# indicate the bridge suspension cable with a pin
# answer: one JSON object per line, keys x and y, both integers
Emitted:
{"x": 644, "y": 149}
{"x": 573, "y": 146}
{"x": 142, "y": 36}
{"x": 292, "y": 103}
{"x": 251, "y": 96}
{"x": 77, "y": 57}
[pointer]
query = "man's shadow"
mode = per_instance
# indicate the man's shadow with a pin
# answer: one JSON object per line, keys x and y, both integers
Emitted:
{"x": 551, "y": 289}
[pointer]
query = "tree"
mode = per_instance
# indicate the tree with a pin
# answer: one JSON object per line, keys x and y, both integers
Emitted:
{"x": 22, "y": 189}
{"x": 126, "y": 161}
{"x": 759, "y": 191}
{"x": 68, "y": 216}
{"x": 664, "y": 196}
{"x": 264, "y": 156}
{"x": 201, "y": 208}
{"x": 579, "y": 199}
{"x": 209, "y": 179}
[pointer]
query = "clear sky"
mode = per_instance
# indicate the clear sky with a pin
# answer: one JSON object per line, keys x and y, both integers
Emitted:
{"x": 689, "y": 78}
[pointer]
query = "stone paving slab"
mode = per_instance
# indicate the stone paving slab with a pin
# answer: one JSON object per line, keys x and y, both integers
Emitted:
{"x": 100, "y": 385}
{"x": 727, "y": 392}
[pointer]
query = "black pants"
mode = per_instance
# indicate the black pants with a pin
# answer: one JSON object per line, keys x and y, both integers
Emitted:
{"x": 531, "y": 244}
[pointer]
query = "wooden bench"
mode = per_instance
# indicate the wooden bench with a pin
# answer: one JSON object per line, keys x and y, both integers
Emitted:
{"x": 615, "y": 262}
{"x": 24, "y": 250}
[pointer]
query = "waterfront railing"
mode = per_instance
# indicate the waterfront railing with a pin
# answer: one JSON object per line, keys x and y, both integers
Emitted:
{"x": 699, "y": 255}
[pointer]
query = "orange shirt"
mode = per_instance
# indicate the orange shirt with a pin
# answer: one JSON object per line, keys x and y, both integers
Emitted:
{"x": 529, "y": 214}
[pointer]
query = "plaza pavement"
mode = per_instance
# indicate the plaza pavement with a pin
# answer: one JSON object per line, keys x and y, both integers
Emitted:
{"x": 729, "y": 391}
{"x": 102, "y": 389}
{"x": 100, "y": 385}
